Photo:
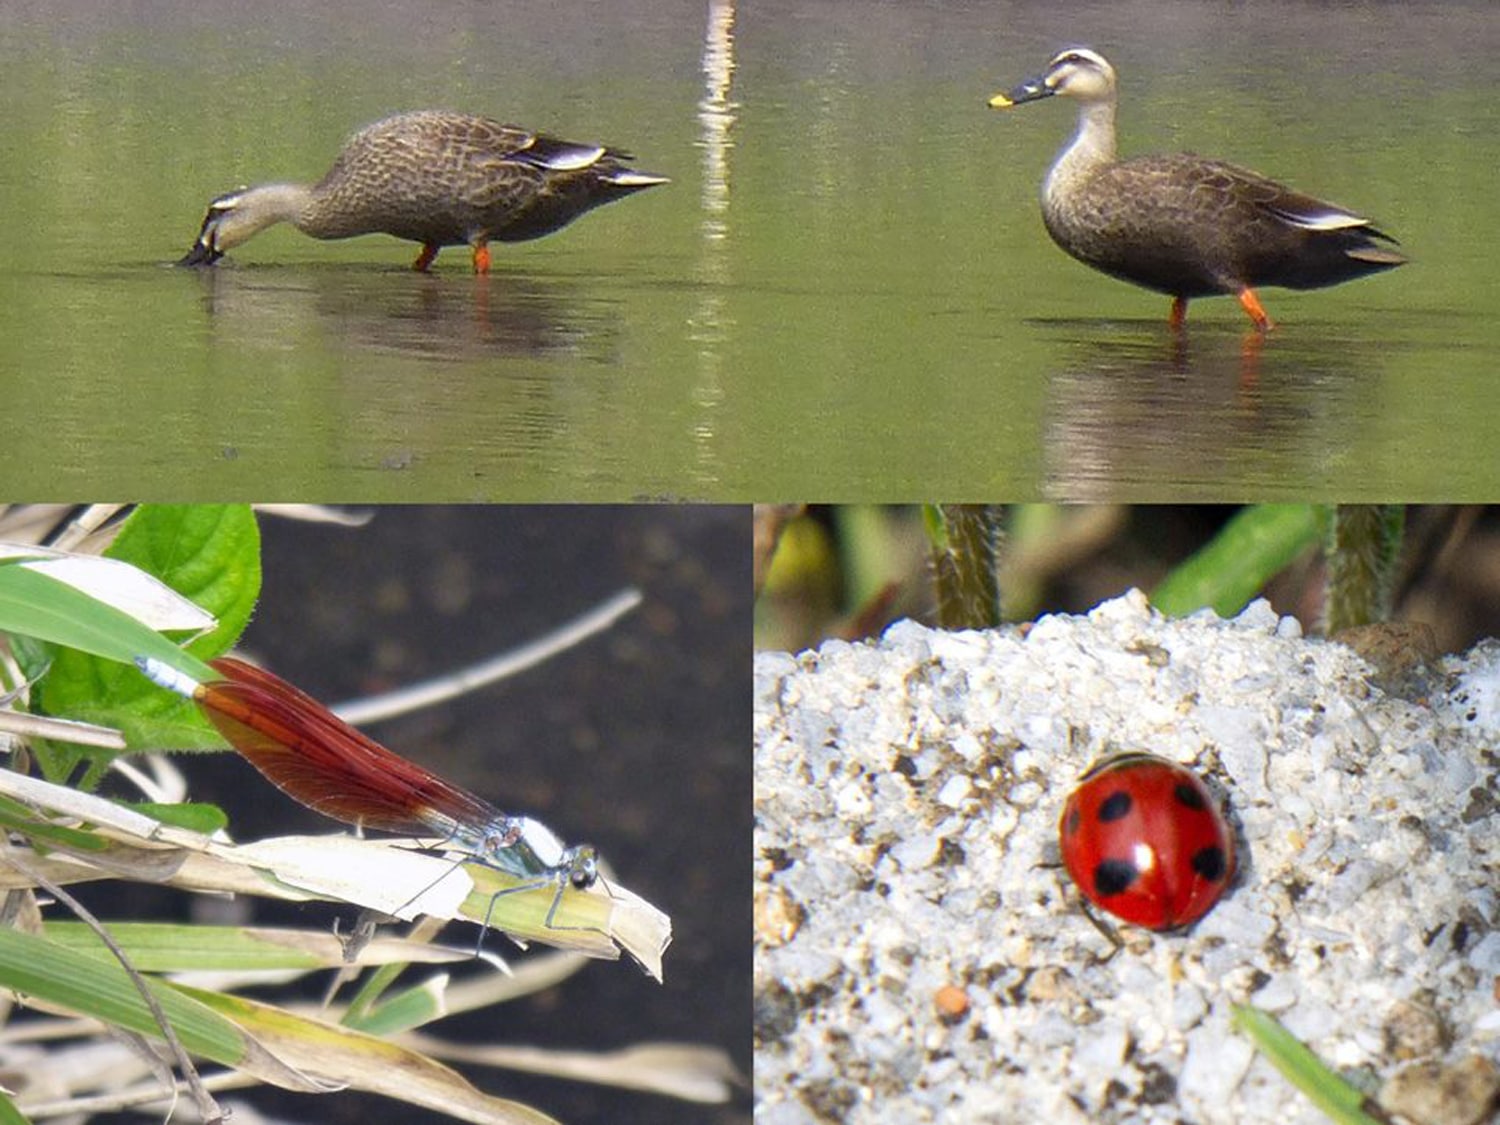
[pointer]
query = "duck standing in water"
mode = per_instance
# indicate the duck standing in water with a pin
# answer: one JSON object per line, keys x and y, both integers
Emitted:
{"x": 1181, "y": 224}
{"x": 438, "y": 178}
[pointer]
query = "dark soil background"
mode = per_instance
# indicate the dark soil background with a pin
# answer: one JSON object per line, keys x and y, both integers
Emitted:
{"x": 638, "y": 742}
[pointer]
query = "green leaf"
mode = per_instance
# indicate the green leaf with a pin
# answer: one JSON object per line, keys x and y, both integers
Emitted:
{"x": 208, "y": 553}
{"x": 9, "y": 1114}
{"x": 1303, "y": 1069}
{"x": 1251, "y": 549}
{"x": 17, "y": 817}
{"x": 193, "y": 815}
{"x": 211, "y": 555}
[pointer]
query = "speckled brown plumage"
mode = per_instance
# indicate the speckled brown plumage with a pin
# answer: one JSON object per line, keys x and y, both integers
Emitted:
{"x": 1182, "y": 224}
{"x": 438, "y": 178}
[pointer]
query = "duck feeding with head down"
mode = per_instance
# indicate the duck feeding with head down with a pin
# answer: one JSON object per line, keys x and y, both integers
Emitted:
{"x": 434, "y": 177}
{"x": 1181, "y": 224}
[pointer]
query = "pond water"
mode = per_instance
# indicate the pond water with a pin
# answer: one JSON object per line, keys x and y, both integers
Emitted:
{"x": 845, "y": 293}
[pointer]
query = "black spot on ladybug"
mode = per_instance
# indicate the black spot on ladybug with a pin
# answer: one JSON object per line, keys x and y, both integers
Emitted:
{"x": 1188, "y": 797}
{"x": 1074, "y": 822}
{"x": 1116, "y": 806}
{"x": 1113, "y": 876}
{"x": 1209, "y": 863}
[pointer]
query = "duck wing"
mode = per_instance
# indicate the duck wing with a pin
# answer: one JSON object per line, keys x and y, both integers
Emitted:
{"x": 1332, "y": 241}
{"x": 1294, "y": 208}
{"x": 1190, "y": 226}
{"x": 553, "y": 154}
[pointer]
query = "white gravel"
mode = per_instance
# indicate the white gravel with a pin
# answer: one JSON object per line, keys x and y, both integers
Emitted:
{"x": 907, "y": 793}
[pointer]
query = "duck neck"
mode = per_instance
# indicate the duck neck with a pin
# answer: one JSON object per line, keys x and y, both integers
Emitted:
{"x": 269, "y": 204}
{"x": 1092, "y": 147}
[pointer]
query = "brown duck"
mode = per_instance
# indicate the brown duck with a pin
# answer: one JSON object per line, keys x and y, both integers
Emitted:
{"x": 1181, "y": 224}
{"x": 438, "y": 178}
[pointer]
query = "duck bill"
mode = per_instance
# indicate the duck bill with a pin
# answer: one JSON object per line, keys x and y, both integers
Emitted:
{"x": 200, "y": 255}
{"x": 1029, "y": 91}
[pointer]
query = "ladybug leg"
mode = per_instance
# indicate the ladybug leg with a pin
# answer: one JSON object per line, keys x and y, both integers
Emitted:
{"x": 1106, "y": 931}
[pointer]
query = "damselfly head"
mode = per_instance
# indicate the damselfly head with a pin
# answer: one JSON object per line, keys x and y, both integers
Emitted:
{"x": 582, "y": 863}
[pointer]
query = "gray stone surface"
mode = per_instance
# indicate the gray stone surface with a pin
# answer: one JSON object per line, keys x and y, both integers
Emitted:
{"x": 907, "y": 793}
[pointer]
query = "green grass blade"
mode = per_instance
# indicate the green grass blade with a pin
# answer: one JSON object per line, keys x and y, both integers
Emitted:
{"x": 1250, "y": 550}
{"x": 364, "y": 1062}
{"x": 164, "y": 947}
{"x": 406, "y": 1010}
{"x": 37, "y": 605}
{"x": 93, "y": 986}
{"x": 1303, "y": 1069}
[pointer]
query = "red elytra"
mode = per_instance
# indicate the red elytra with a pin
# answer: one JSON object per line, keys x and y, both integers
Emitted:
{"x": 1143, "y": 839}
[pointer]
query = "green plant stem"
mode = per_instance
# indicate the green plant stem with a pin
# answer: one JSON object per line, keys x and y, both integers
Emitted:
{"x": 965, "y": 545}
{"x": 1364, "y": 547}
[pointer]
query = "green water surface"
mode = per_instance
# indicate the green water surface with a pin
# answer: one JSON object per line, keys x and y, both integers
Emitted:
{"x": 845, "y": 293}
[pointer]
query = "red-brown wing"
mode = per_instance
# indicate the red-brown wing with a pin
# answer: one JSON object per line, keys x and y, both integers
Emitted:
{"x": 320, "y": 761}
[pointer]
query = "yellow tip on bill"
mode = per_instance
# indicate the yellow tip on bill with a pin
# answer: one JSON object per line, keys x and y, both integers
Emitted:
{"x": 1000, "y": 101}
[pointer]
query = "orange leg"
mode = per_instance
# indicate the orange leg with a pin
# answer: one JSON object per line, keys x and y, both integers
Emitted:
{"x": 424, "y": 259}
{"x": 481, "y": 257}
{"x": 1178, "y": 315}
{"x": 1251, "y": 304}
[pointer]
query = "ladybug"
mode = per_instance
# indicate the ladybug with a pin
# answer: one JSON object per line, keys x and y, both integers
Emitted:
{"x": 1143, "y": 839}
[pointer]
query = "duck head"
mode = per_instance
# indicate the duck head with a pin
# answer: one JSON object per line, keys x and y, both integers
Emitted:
{"x": 216, "y": 234}
{"x": 237, "y": 215}
{"x": 1074, "y": 73}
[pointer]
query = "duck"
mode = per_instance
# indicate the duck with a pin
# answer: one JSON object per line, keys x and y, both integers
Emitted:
{"x": 1181, "y": 224}
{"x": 435, "y": 177}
